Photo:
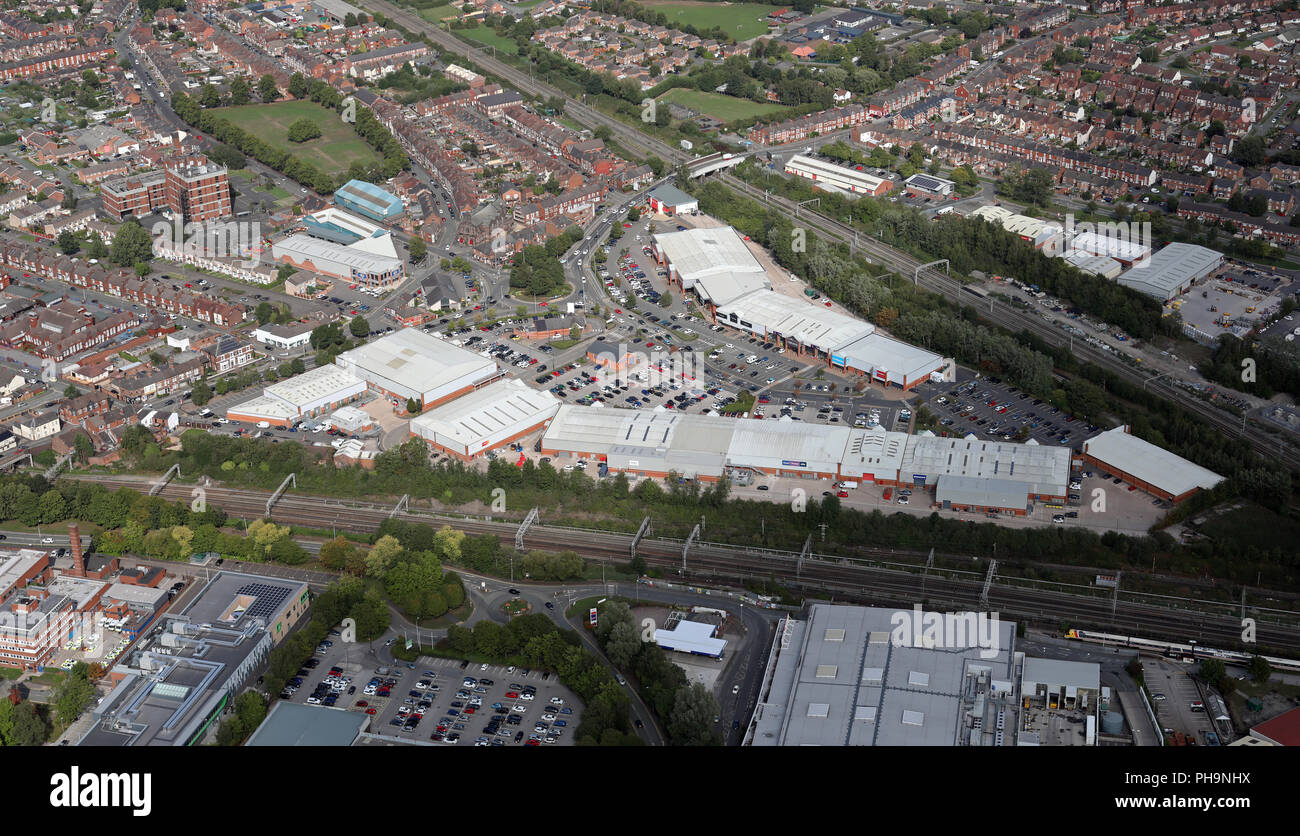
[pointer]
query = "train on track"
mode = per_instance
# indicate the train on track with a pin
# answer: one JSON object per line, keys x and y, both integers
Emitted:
{"x": 1174, "y": 650}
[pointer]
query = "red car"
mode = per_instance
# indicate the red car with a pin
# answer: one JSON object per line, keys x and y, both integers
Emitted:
{"x": 531, "y": 742}
{"x": 828, "y": 303}
{"x": 627, "y": 226}
{"x": 362, "y": 703}
{"x": 842, "y": 494}
{"x": 512, "y": 695}
{"x": 370, "y": 711}
{"x": 471, "y": 710}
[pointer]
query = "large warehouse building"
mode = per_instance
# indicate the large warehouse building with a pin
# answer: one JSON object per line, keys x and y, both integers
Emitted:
{"x": 845, "y": 676}
{"x": 1153, "y": 469}
{"x": 733, "y": 286}
{"x": 403, "y": 365}
{"x": 490, "y": 417}
{"x": 973, "y": 474}
{"x": 841, "y": 178}
{"x": 650, "y": 444}
{"x": 314, "y": 392}
{"x": 411, "y": 364}
{"x": 715, "y": 263}
{"x": 1172, "y": 270}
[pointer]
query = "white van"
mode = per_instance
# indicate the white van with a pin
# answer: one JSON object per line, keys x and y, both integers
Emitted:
{"x": 848, "y": 484}
{"x": 264, "y": 425}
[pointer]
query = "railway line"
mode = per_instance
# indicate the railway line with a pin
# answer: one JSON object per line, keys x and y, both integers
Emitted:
{"x": 821, "y": 576}
{"x": 932, "y": 280}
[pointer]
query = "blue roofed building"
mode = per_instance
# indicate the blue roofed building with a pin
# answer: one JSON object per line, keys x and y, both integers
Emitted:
{"x": 369, "y": 200}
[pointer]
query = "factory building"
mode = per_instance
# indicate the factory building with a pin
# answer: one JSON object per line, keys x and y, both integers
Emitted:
{"x": 838, "y": 177}
{"x": 409, "y": 363}
{"x": 1153, "y": 469}
{"x": 493, "y": 416}
{"x": 1172, "y": 270}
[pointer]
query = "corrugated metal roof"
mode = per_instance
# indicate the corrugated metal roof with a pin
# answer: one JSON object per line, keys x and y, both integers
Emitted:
{"x": 1145, "y": 461}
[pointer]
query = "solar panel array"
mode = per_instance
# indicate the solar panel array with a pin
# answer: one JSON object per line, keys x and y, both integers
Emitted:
{"x": 266, "y": 598}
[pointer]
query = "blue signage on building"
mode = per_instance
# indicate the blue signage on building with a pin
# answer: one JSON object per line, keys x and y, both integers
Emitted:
{"x": 793, "y": 464}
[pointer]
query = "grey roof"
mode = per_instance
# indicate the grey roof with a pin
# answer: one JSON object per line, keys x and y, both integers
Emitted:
{"x": 1058, "y": 672}
{"x": 176, "y": 678}
{"x": 1149, "y": 463}
{"x": 290, "y": 724}
{"x": 982, "y": 492}
{"x": 1045, "y": 468}
{"x": 1171, "y": 269}
{"x": 841, "y": 679}
{"x": 671, "y": 195}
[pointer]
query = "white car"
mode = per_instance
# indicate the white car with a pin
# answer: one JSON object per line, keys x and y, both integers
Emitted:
{"x": 520, "y": 707}
{"x": 548, "y": 717}
{"x": 527, "y": 697}
{"x": 557, "y": 701}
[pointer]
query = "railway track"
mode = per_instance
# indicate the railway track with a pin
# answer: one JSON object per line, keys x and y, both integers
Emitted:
{"x": 996, "y": 312}
{"x": 863, "y": 580}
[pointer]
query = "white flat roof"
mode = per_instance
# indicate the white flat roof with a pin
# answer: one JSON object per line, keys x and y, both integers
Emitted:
{"x": 1109, "y": 245}
{"x": 477, "y": 419}
{"x": 810, "y": 324}
{"x": 263, "y": 407}
{"x": 315, "y": 385}
{"x": 1145, "y": 461}
{"x": 416, "y": 361}
{"x": 347, "y": 220}
{"x": 901, "y": 361}
{"x": 715, "y": 262}
{"x": 691, "y": 637}
{"x": 815, "y": 169}
{"x": 302, "y": 246}
{"x": 766, "y": 443}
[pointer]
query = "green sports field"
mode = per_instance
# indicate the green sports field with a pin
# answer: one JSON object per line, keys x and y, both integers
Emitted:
{"x": 333, "y": 152}
{"x": 488, "y": 37}
{"x": 726, "y": 108}
{"x": 741, "y": 20}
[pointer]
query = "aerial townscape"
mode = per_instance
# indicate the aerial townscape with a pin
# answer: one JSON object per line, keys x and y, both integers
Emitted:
{"x": 633, "y": 373}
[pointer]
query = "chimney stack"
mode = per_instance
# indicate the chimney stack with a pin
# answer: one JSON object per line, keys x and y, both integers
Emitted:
{"x": 78, "y": 563}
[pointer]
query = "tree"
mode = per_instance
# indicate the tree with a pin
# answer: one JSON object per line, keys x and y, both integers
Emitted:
{"x": 418, "y": 249}
{"x": 84, "y": 447}
{"x": 210, "y": 97}
{"x": 264, "y": 312}
{"x": 201, "y": 394}
{"x": 634, "y": 214}
{"x": 28, "y": 727}
{"x": 303, "y": 130}
{"x": 131, "y": 245}
{"x": 359, "y": 326}
{"x": 1211, "y": 670}
{"x": 239, "y": 91}
{"x": 412, "y": 406}
{"x": 267, "y": 89}
{"x": 665, "y": 299}
{"x": 690, "y": 722}
{"x": 1259, "y": 669}
{"x": 68, "y": 243}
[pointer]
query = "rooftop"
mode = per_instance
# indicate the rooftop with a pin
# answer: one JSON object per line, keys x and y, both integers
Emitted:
{"x": 1154, "y": 465}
